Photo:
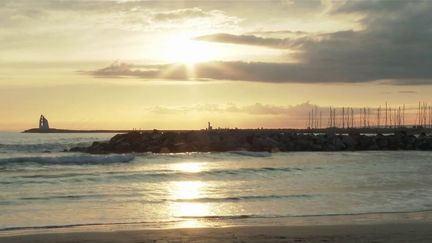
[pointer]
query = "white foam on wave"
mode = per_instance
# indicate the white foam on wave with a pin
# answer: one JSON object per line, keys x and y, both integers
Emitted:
{"x": 40, "y": 147}
{"x": 252, "y": 154}
{"x": 69, "y": 159}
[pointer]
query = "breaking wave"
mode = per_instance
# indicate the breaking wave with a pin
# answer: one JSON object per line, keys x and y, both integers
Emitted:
{"x": 136, "y": 176}
{"x": 41, "y": 147}
{"x": 251, "y": 153}
{"x": 69, "y": 159}
{"x": 138, "y": 198}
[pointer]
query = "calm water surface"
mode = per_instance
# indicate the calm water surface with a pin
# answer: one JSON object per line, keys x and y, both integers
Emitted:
{"x": 41, "y": 186}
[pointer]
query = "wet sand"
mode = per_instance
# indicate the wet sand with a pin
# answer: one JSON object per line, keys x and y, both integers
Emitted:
{"x": 403, "y": 232}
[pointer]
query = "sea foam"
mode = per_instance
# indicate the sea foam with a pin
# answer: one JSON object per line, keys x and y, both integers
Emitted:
{"x": 76, "y": 159}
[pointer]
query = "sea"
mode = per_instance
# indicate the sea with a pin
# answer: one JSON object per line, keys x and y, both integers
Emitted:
{"x": 44, "y": 187}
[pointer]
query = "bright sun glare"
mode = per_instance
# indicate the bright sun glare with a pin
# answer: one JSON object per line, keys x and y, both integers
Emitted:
{"x": 190, "y": 167}
{"x": 189, "y": 51}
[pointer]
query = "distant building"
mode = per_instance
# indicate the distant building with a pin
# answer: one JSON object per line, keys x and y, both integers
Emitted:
{"x": 43, "y": 123}
{"x": 209, "y": 126}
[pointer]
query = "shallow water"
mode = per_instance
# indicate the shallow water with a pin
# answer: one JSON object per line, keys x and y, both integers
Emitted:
{"x": 41, "y": 186}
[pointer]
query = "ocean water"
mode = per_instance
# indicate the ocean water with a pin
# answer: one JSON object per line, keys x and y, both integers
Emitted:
{"x": 43, "y": 187}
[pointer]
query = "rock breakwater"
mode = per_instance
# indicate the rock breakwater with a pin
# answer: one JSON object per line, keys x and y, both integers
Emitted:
{"x": 254, "y": 140}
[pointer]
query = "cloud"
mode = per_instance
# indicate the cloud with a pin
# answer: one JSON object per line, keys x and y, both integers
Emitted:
{"x": 393, "y": 46}
{"x": 194, "y": 18}
{"x": 234, "y": 71}
{"x": 374, "y": 6}
{"x": 296, "y": 112}
{"x": 247, "y": 71}
{"x": 112, "y": 14}
{"x": 14, "y": 17}
{"x": 408, "y": 92}
{"x": 274, "y": 115}
{"x": 286, "y": 43}
{"x": 300, "y": 110}
{"x": 278, "y": 32}
{"x": 118, "y": 69}
{"x": 184, "y": 13}
{"x": 184, "y": 18}
{"x": 282, "y": 115}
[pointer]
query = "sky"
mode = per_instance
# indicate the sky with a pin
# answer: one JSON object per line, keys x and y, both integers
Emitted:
{"x": 131, "y": 64}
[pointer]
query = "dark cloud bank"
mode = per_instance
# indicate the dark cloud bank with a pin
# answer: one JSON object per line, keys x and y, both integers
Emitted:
{"x": 394, "y": 46}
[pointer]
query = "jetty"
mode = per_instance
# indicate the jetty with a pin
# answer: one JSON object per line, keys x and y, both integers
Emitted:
{"x": 258, "y": 140}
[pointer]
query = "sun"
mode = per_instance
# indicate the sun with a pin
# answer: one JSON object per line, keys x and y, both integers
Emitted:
{"x": 188, "y": 51}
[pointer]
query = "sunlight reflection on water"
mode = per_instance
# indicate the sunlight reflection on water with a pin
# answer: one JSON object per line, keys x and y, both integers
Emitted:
{"x": 213, "y": 189}
{"x": 188, "y": 190}
{"x": 190, "y": 167}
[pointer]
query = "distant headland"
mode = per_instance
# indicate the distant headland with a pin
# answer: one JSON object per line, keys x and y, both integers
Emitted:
{"x": 45, "y": 128}
{"x": 54, "y": 130}
{"x": 258, "y": 140}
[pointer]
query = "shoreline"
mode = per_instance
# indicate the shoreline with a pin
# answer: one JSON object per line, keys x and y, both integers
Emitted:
{"x": 389, "y": 232}
{"x": 307, "y": 221}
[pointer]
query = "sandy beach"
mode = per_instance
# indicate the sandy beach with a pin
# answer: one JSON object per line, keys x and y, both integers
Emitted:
{"x": 404, "y": 232}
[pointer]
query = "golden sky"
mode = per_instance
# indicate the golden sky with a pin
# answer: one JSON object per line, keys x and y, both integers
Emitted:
{"x": 111, "y": 64}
